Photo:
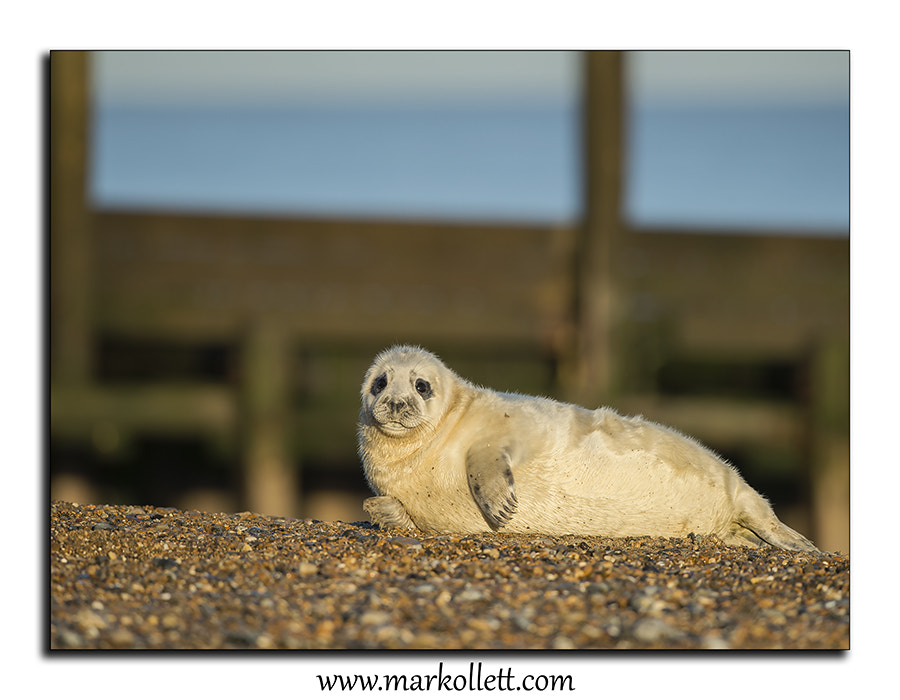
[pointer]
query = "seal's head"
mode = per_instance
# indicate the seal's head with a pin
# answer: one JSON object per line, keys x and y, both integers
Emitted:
{"x": 406, "y": 389}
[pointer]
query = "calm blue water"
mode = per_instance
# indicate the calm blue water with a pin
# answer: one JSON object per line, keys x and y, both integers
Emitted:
{"x": 698, "y": 167}
{"x": 494, "y": 164}
{"x": 740, "y": 167}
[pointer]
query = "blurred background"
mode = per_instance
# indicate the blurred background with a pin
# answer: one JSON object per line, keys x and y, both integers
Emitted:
{"x": 234, "y": 235}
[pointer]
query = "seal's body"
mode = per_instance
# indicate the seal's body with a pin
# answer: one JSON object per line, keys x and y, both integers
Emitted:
{"x": 444, "y": 455}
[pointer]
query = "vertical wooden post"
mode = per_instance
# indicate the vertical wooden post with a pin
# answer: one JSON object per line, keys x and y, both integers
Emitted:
{"x": 70, "y": 219}
{"x": 592, "y": 379}
{"x": 831, "y": 445}
{"x": 270, "y": 480}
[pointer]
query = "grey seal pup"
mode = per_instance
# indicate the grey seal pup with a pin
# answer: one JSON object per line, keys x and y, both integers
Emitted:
{"x": 444, "y": 455}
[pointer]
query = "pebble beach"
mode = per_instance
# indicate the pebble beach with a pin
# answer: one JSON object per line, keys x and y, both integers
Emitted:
{"x": 145, "y": 577}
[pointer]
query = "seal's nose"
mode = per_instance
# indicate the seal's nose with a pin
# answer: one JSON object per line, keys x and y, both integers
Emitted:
{"x": 396, "y": 404}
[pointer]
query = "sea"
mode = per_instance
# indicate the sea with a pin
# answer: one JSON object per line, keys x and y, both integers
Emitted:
{"x": 707, "y": 167}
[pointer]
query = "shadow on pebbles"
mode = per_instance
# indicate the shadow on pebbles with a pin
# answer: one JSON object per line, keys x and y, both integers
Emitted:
{"x": 124, "y": 577}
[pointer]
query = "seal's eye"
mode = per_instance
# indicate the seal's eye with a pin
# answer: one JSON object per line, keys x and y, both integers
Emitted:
{"x": 424, "y": 388}
{"x": 378, "y": 385}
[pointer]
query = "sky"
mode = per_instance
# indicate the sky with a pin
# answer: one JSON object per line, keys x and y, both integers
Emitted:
{"x": 214, "y": 76}
{"x": 740, "y": 77}
{"x": 142, "y": 77}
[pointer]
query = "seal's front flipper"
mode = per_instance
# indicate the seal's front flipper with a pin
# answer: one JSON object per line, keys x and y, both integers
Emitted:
{"x": 387, "y": 511}
{"x": 491, "y": 483}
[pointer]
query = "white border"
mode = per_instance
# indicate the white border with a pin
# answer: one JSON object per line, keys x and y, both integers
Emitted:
{"x": 865, "y": 28}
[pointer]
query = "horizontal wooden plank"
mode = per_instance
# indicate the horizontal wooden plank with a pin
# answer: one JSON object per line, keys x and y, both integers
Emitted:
{"x": 736, "y": 293}
{"x": 207, "y": 276}
{"x": 158, "y": 407}
{"x": 722, "y": 421}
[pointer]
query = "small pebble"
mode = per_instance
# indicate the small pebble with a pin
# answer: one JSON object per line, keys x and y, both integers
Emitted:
{"x": 469, "y": 595}
{"x": 374, "y": 618}
{"x": 650, "y": 630}
{"x": 306, "y": 568}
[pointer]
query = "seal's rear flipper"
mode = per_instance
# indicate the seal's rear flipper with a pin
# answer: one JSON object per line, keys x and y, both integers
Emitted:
{"x": 775, "y": 533}
{"x": 740, "y": 535}
{"x": 491, "y": 483}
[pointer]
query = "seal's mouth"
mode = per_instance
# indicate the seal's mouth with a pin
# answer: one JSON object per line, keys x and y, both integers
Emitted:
{"x": 394, "y": 428}
{"x": 393, "y": 423}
